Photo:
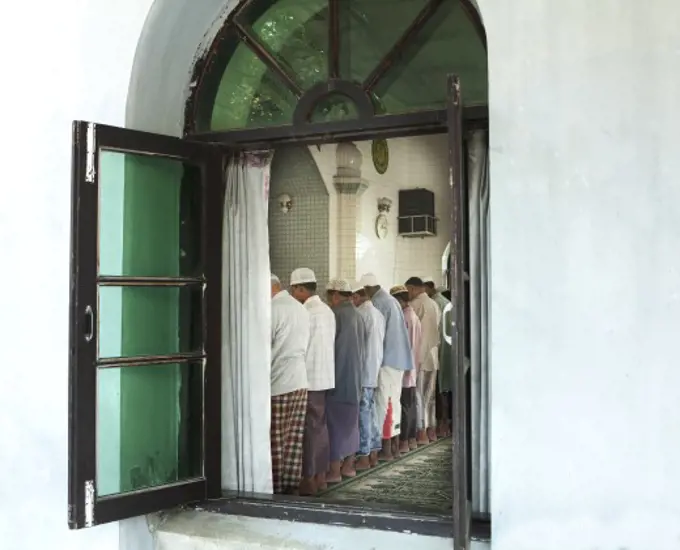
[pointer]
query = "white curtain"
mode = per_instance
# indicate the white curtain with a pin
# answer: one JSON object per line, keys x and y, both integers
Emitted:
{"x": 478, "y": 189}
{"x": 246, "y": 333}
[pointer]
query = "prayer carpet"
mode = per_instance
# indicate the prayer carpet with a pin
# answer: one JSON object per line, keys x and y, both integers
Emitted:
{"x": 420, "y": 478}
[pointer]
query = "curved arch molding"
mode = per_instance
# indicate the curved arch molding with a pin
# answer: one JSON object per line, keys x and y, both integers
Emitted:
{"x": 175, "y": 48}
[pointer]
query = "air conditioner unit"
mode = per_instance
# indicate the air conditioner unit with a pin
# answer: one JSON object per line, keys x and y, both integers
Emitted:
{"x": 416, "y": 213}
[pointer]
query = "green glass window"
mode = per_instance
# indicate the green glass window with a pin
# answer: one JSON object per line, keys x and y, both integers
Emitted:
{"x": 295, "y": 32}
{"x": 146, "y": 205}
{"x": 285, "y": 47}
{"x": 139, "y": 357}
{"x": 448, "y": 44}
{"x": 250, "y": 95}
{"x": 146, "y": 417}
{"x": 370, "y": 29}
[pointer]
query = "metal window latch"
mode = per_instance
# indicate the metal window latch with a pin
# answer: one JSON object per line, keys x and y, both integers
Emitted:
{"x": 89, "y": 503}
{"x": 89, "y": 324}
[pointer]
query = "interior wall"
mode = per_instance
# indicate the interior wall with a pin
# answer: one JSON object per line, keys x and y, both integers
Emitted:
{"x": 414, "y": 162}
{"x": 298, "y": 238}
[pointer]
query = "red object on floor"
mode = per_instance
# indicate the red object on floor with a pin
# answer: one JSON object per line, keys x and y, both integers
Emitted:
{"x": 387, "y": 425}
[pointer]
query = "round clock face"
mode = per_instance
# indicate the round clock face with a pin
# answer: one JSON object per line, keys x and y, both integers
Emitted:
{"x": 381, "y": 226}
{"x": 381, "y": 155}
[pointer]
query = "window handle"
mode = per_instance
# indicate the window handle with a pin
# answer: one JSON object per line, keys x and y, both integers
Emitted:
{"x": 89, "y": 323}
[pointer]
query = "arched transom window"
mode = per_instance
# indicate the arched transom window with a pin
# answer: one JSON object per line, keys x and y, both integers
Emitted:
{"x": 286, "y": 62}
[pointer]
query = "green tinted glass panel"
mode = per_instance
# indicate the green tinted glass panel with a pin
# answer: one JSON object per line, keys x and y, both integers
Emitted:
{"x": 447, "y": 44}
{"x": 369, "y": 30}
{"x": 142, "y": 320}
{"x": 250, "y": 95}
{"x": 296, "y": 33}
{"x": 334, "y": 107}
{"x": 148, "y": 426}
{"x": 149, "y": 210}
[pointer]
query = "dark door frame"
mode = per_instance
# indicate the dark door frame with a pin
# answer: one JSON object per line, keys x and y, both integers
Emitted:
{"x": 366, "y": 128}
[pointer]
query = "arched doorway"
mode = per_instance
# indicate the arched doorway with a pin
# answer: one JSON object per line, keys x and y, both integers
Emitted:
{"x": 251, "y": 90}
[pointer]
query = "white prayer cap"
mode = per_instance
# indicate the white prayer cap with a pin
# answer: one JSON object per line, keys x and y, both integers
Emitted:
{"x": 301, "y": 276}
{"x": 275, "y": 279}
{"x": 428, "y": 279}
{"x": 339, "y": 285}
{"x": 368, "y": 279}
{"x": 357, "y": 286}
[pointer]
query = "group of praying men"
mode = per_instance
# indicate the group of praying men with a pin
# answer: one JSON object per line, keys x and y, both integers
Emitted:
{"x": 362, "y": 378}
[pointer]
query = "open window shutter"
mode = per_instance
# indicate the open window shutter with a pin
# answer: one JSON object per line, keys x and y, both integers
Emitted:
{"x": 144, "y": 357}
{"x": 461, "y": 503}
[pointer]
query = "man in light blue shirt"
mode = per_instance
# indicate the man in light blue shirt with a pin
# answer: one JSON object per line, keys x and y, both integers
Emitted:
{"x": 397, "y": 359}
{"x": 370, "y": 432}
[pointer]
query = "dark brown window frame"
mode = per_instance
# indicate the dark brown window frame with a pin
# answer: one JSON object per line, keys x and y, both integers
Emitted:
{"x": 268, "y": 506}
{"x": 370, "y": 124}
{"x": 84, "y": 508}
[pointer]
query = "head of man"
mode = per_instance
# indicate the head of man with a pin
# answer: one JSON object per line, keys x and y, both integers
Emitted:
{"x": 430, "y": 287}
{"x": 415, "y": 287}
{"x": 370, "y": 284}
{"x": 401, "y": 293}
{"x": 276, "y": 285}
{"x": 359, "y": 295}
{"x": 338, "y": 291}
{"x": 302, "y": 284}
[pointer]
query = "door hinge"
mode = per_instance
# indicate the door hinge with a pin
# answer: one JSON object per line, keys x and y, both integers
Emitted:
{"x": 90, "y": 154}
{"x": 89, "y": 503}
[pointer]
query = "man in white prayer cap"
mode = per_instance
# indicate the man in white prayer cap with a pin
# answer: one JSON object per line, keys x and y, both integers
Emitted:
{"x": 342, "y": 405}
{"x": 320, "y": 363}
{"x": 370, "y": 432}
{"x": 290, "y": 339}
{"x": 397, "y": 359}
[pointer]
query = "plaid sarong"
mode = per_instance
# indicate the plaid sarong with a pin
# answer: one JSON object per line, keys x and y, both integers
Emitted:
{"x": 287, "y": 433}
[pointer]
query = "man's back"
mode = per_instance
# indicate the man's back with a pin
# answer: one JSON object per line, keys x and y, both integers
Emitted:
{"x": 290, "y": 339}
{"x": 349, "y": 353}
{"x": 321, "y": 350}
{"x": 429, "y": 314}
{"x": 374, "y": 343}
{"x": 397, "y": 350}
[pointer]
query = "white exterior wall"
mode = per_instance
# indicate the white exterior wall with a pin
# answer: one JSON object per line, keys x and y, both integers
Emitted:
{"x": 585, "y": 233}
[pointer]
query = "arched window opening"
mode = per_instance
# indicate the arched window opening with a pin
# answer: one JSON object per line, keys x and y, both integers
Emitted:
{"x": 273, "y": 53}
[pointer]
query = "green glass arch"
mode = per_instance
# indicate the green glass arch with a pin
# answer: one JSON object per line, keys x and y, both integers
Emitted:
{"x": 282, "y": 48}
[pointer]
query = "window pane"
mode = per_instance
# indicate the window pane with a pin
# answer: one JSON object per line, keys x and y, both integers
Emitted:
{"x": 370, "y": 28}
{"x": 139, "y": 320}
{"x": 148, "y": 426}
{"x": 149, "y": 211}
{"x": 250, "y": 95}
{"x": 334, "y": 107}
{"x": 447, "y": 44}
{"x": 296, "y": 33}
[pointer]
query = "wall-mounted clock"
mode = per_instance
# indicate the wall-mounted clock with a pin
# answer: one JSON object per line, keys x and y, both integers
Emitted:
{"x": 381, "y": 226}
{"x": 381, "y": 155}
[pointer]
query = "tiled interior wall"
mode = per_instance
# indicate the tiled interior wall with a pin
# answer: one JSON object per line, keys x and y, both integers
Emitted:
{"x": 414, "y": 162}
{"x": 299, "y": 238}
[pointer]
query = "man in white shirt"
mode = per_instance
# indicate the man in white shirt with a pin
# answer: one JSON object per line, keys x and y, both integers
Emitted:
{"x": 290, "y": 338}
{"x": 320, "y": 363}
{"x": 370, "y": 434}
{"x": 429, "y": 314}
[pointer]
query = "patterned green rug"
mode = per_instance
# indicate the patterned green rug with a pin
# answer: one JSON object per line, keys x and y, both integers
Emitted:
{"x": 421, "y": 478}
